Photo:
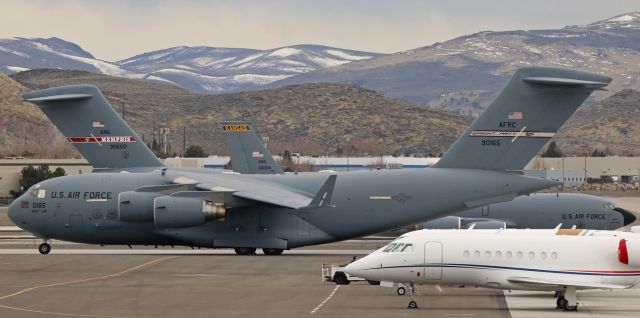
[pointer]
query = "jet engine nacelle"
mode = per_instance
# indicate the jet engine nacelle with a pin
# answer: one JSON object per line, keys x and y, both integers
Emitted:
{"x": 136, "y": 206}
{"x": 173, "y": 211}
{"x": 629, "y": 252}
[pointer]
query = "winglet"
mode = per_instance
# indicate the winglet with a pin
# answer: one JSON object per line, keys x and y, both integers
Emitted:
{"x": 323, "y": 197}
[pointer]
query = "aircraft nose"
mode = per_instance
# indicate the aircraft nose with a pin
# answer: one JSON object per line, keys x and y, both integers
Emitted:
{"x": 356, "y": 268}
{"x": 13, "y": 211}
{"x": 628, "y": 216}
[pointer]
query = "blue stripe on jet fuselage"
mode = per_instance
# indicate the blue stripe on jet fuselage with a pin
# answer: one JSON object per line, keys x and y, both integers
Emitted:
{"x": 493, "y": 267}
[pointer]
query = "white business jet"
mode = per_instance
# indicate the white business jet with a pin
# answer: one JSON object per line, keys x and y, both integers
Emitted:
{"x": 547, "y": 260}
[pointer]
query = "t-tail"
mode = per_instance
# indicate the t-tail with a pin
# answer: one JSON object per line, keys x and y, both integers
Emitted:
{"x": 536, "y": 102}
{"x": 87, "y": 120}
{"x": 248, "y": 154}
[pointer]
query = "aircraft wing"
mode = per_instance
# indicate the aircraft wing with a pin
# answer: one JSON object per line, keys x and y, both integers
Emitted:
{"x": 544, "y": 282}
{"x": 279, "y": 196}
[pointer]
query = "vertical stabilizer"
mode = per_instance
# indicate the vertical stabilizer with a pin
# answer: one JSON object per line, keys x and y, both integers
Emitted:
{"x": 86, "y": 118}
{"x": 536, "y": 102}
{"x": 248, "y": 154}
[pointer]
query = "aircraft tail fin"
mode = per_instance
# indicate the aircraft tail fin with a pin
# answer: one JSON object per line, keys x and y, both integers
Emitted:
{"x": 535, "y": 103}
{"x": 248, "y": 154}
{"x": 87, "y": 120}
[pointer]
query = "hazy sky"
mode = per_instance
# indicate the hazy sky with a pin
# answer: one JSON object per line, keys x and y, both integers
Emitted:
{"x": 117, "y": 29}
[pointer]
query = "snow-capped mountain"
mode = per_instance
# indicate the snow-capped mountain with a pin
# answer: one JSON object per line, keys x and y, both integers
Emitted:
{"x": 464, "y": 74}
{"x": 20, "y": 54}
{"x": 211, "y": 69}
{"x": 198, "y": 69}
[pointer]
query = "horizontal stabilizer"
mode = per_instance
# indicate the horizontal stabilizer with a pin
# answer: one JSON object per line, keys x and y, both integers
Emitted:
{"x": 543, "y": 282}
{"x": 56, "y": 98}
{"x": 564, "y": 81}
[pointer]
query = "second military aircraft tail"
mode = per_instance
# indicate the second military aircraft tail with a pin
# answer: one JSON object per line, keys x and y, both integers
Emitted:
{"x": 529, "y": 111}
{"x": 247, "y": 153}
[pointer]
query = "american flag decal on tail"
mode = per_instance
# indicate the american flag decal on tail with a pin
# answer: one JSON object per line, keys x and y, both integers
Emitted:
{"x": 515, "y": 115}
{"x": 257, "y": 154}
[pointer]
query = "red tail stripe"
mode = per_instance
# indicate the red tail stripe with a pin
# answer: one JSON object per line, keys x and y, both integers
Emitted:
{"x": 623, "y": 255}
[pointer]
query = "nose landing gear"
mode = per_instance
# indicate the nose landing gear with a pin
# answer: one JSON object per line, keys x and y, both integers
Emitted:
{"x": 44, "y": 248}
{"x": 412, "y": 302}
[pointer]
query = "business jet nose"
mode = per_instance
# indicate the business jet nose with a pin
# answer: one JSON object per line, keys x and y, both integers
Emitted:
{"x": 356, "y": 268}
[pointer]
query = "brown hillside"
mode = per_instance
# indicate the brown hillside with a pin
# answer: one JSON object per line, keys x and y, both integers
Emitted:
{"x": 24, "y": 127}
{"x": 612, "y": 124}
{"x": 316, "y": 118}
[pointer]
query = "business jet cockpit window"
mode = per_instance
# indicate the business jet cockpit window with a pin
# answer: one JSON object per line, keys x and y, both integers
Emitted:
{"x": 389, "y": 247}
{"x": 398, "y": 247}
{"x": 408, "y": 248}
{"x": 38, "y": 193}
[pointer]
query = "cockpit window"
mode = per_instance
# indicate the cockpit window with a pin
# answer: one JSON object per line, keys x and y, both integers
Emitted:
{"x": 397, "y": 248}
{"x": 38, "y": 193}
{"x": 389, "y": 247}
{"x": 408, "y": 248}
{"x": 609, "y": 206}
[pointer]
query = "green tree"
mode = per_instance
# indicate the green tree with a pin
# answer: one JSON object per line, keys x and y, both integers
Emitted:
{"x": 195, "y": 151}
{"x": 287, "y": 162}
{"x": 552, "y": 151}
{"x": 31, "y": 175}
{"x": 598, "y": 153}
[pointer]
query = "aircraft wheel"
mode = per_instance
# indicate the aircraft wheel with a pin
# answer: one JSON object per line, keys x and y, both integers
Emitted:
{"x": 401, "y": 291}
{"x": 44, "y": 248}
{"x": 245, "y": 250}
{"x": 566, "y": 307}
{"x": 373, "y": 282}
{"x": 560, "y": 303}
{"x": 412, "y": 304}
{"x": 272, "y": 251}
{"x": 340, "y": 278}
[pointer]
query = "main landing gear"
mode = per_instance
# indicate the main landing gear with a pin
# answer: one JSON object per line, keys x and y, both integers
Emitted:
{"x": 566, "y": 300}
{"x": 252, "y": 251}
{"x": 44, "y": 248}
{"x": 272, "y": 251}
{"x": 245, "y": 250}
{"x": 412, "y": 293}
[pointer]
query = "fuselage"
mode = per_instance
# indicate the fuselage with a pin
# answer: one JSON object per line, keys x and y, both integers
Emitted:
{"x": 85, "y": 208}
{"x": 502, "y": 259}
{"x": 540, "y": 211}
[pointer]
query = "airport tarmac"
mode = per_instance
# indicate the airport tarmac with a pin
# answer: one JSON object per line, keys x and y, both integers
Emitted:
{"x": 78, "y": 280}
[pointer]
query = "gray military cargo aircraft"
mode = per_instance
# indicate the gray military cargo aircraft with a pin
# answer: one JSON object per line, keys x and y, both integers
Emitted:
{"x": 160, "y": 205}
{"x": 536, "y": 211}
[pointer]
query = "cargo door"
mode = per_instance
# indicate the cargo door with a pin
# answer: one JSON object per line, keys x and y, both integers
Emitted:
{"x": 432, "y": 260}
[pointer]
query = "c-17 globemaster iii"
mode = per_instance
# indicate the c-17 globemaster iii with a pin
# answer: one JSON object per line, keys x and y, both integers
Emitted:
{"x": 161, "y": 205}
{"x": 536, "y": 211}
